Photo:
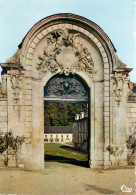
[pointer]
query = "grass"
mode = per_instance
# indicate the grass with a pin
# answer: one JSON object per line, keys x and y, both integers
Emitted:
{"x": 70, "y": 143}
{"x": 64, "y": 154}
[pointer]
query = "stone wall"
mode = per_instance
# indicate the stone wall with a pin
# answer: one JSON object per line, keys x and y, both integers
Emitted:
{"x": 131, "y": 113}
{"x": 3, "y": 115}
{"x": 3, "y": 105}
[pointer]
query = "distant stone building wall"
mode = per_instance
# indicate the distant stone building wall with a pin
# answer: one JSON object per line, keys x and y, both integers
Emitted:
{"x": 58, "y": 134}
{"x": 58, "y": 138}
{"x": 80, "y": 132}
{"x": 131, "y": 118}
{"x": 131, "y": 111}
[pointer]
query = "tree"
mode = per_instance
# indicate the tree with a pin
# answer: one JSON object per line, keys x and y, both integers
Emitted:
{"x": 62, "y": 114}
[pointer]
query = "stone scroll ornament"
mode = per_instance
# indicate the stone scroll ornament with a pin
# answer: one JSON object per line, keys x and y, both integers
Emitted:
{"x": 15, "y": 82}
{"x": 65, "y": 51}
{"x": 117, "y": 86}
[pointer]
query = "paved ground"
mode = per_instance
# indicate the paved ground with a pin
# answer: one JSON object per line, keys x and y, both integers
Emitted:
{"x": 60, "y": 178}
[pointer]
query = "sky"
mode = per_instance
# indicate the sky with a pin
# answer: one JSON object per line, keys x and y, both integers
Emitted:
{"x": 115, "y": 17}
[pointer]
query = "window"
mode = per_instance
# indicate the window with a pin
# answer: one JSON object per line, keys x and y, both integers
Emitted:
{"x": 61, "y": 135}
{"x": 57, "y": 140}
{"x": 67, "y": 138}
{"x": 56, "y": 135}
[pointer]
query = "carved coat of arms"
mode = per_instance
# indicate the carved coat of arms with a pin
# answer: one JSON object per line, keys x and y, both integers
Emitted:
{"x": 65, "y": 51}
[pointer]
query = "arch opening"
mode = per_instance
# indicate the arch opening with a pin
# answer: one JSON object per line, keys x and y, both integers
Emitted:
{"x": 66, "y": 124}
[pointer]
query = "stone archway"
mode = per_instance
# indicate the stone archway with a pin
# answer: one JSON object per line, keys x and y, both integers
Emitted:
{"x": 67, "y": 91}
{"x": 68, "y": 44}
{"x": 63, "y": 50}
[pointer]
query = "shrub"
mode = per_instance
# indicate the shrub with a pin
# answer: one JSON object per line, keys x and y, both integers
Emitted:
{"x": 5, "y": 145}
{"x": 131, "y": 144}
{"x": 116, "y": 152}
{"x": 16, "y": 146}
{"x": 10, "y": 145}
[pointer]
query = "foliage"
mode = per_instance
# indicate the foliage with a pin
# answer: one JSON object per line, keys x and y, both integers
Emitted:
{"x": 10, "y": 145}
{"x": 16, "y": 146}
{"x": 116, "y": 152}
{"x": 131, "y": 144}
{"x": 6, "y": 141}
{"x": 62, "y": 114}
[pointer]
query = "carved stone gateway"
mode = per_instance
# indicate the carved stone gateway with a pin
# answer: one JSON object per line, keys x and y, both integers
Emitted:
{"x": 66, "y": 57}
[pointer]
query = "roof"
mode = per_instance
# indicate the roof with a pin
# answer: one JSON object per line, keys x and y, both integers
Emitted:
{"x": 132, "y": 86}
{"x": 58, "y": 129}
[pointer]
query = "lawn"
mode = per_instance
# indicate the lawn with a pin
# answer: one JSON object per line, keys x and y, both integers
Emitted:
{"x": 64, "y": 154}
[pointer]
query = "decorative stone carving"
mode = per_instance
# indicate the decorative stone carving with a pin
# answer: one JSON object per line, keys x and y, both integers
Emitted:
{"x": 117, "y": 86}
{"x": 118, "y": 63}
{"x": 15, "y": 58}
{"x": 15, "y": 74}
{"x": 65, "y": 50}
{"x": 3, "y": 85}
{"x": 131, "y": 96}
{"x": 65, "y": 89}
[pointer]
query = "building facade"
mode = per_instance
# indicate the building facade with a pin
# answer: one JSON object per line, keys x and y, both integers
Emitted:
{"x": 67, "y": 44}
{"x": 58, "y": 134}
{"x": 80, "y": 132}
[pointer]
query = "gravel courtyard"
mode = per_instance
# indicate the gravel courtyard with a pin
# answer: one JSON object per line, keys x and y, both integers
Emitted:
{"x": 61, "y": 178}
